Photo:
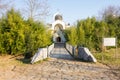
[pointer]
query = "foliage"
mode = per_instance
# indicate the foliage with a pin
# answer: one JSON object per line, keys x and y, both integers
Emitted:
{"x": 109, "y": 57}
{"x": 80, "y": 35}
{"x": 12, "y": 33}
{"x": 18, "y": 36}
{"x": 37, "y": 36}
{"x": 90, "y": 32}
{"x": 71, "y": 35}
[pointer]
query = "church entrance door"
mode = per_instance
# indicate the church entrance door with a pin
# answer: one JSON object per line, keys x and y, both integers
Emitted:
{"x": 58, "y": 39}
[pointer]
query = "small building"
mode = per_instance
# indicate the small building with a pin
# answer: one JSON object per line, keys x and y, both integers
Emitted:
{"x": 58, "y": 27}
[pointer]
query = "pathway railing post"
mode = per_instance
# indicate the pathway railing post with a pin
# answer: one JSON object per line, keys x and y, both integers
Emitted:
{"x": 73, "y": 51}
{"x": 47, "y": 51}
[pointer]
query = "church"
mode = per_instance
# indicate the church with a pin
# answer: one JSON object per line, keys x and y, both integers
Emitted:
{"x": 58, "y": 27}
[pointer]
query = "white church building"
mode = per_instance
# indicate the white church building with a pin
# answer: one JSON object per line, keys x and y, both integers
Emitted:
{"x": 58, "y": 27}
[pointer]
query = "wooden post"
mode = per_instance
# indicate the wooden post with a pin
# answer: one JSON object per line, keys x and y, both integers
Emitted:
{"x": 116, "y": 48}
{"x": 103, "y": 48}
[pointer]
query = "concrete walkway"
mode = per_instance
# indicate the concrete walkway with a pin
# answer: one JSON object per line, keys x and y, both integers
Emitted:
{"x": 56, "y": 69}
{"x": 61, "y": 66}
{"x": 61, "y": 53}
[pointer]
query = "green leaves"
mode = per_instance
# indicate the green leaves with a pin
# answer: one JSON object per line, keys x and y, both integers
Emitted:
{"x": 36, "y": 36}
{"x": 90, "y": 32}
{"x": 18, "y": 36}
{"x": 72, "y": 35}
{"x": 80, "y": 36}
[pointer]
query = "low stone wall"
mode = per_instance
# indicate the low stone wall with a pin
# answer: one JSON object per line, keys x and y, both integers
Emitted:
{"x": 50, "y": 48}
{"x": 82, "y": 53}
{"x": 85, "y": 54}
{"x": 42, "y": 53}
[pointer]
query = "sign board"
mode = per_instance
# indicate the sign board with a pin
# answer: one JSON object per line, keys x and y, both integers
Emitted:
{"x": 109, "y": 41}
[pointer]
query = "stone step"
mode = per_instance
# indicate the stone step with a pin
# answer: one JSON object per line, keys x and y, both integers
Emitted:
{"x": 59, "y": 45}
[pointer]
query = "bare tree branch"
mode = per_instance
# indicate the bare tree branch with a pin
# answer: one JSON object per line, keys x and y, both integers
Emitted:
{"x": 36, "y": 8}
{"x": 110, "y": 11}
{"x": 4, "y": 5}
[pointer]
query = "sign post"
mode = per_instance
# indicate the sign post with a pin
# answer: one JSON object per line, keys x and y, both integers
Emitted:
{"x": 110, "y": 42}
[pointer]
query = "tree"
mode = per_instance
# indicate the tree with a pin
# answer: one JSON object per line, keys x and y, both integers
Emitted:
{"x": 111, "y": 15}
{"x": 36, "y": 8}
{"x": 110, "y": 12}
{"x": 37, "y": 36}
{"x": 80, "y": 34}
{"x": 89, "y": 33}
{"x": 12, "y": 33}
{"x": 18, "y": 36}
{"x": 88, "y": 27}
{"x": 100, "y": 31}
{"x": 72, "y": 36}
{"x": 81, "y": 37}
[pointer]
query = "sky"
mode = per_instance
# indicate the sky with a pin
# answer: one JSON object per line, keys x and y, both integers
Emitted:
{"x": 73, "y": 10}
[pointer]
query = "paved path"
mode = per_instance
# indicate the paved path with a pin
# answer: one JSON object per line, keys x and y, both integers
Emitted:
{"x": 60, "y": 53}
{"x": 58, "y": 69}
{"x": 61, "y": 66}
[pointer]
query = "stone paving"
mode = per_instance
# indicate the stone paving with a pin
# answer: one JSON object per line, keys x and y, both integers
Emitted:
{"x": 60, "y": 53}
{"x": 59, "y": 69}
{"x": 61, "y": 66}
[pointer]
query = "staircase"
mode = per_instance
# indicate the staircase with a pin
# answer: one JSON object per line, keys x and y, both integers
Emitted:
{"x": 60, "y": 52}
{"x": 59, "y": 45}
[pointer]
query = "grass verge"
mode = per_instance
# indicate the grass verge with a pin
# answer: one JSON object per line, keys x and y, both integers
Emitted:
{"x": 109, "y": 58}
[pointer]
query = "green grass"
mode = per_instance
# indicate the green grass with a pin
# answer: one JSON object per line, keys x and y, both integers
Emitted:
{"x": 109, "y": 57}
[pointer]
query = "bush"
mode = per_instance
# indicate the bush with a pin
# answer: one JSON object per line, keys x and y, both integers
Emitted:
{"x": 18, "y": 36}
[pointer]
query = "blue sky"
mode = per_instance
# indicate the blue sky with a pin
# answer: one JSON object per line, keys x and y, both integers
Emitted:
{"x": 72, "y": 10}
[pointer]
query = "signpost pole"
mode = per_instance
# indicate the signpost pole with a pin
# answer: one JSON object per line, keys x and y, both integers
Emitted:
{"x": 111, "y": 42}
{"x": 103, "y": 47}
{"x": 116, "y": 48}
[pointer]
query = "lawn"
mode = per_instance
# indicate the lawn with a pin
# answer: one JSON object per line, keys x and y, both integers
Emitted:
{"x": 109, "y": 57}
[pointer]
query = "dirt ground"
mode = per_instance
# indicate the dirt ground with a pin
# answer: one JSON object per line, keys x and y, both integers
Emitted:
{"x": 15, "y": 68}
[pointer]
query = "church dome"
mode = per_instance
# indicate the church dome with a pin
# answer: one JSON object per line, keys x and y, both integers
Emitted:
{"x": 58, "y": 17}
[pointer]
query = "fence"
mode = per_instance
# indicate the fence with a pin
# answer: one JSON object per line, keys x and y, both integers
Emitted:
{"x": 42, "y": 53}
